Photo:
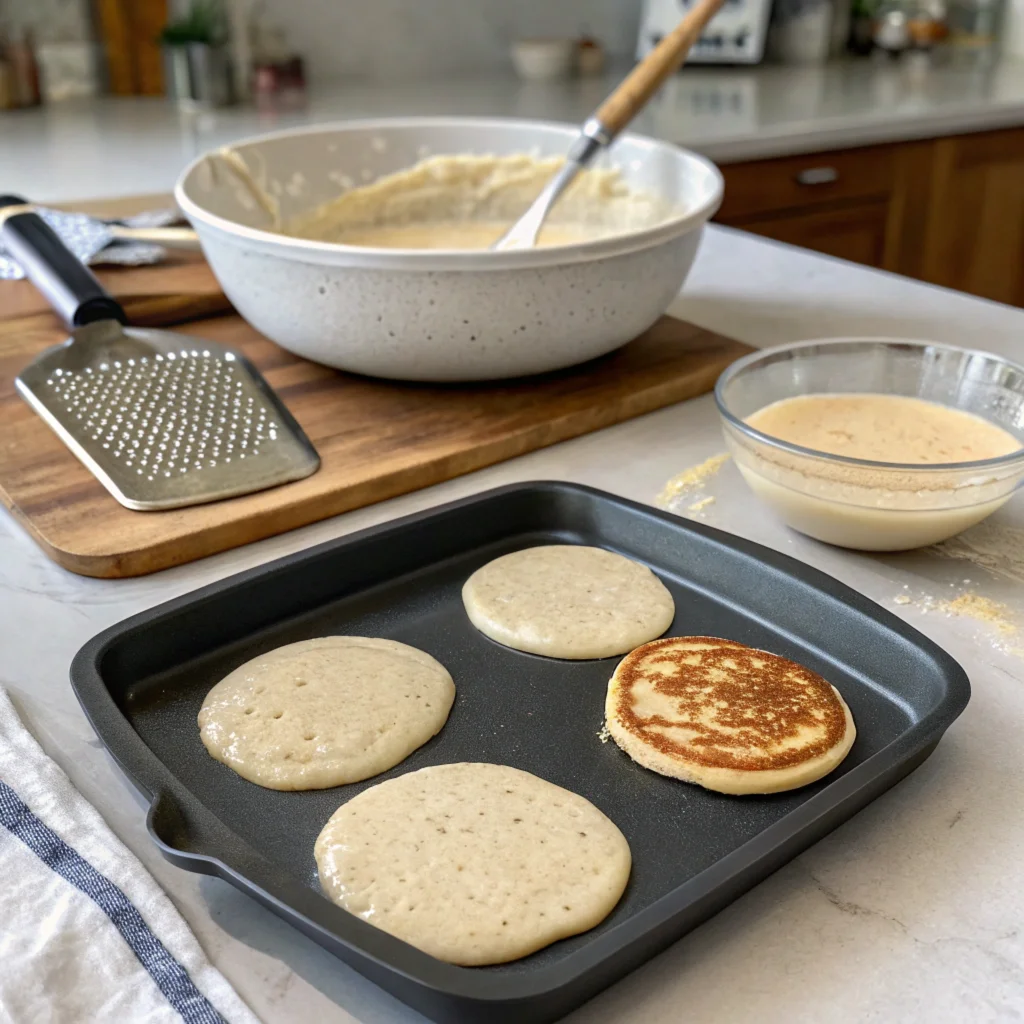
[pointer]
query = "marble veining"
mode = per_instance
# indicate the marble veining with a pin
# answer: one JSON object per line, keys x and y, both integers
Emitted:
{"x": 910, "y": 911}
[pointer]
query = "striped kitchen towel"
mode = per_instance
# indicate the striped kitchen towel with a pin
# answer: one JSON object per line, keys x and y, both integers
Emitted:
{"x": 86, "y": 934}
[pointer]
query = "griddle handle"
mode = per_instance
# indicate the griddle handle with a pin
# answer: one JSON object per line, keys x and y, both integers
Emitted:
{"x": 69, "y": 286}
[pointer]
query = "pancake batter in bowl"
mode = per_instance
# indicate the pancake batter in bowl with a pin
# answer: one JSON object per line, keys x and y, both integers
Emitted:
{"x": 885, "y": 503}
{"x": 884, "y": 428}
{"x": 464, "y": 202}
{"x": 454, "y": 234}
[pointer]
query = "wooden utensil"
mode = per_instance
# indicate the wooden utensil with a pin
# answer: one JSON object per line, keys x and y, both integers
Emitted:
{"x": 169, "y": 237}
{"x": 632, "y": 94}
{"x": 600, "y": 130}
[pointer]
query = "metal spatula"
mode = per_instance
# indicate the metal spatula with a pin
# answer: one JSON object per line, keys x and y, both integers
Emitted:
{"x": 162, "y": 420}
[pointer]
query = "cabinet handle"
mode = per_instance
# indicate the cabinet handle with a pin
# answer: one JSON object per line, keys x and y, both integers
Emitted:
{"x": 817, "y": 176}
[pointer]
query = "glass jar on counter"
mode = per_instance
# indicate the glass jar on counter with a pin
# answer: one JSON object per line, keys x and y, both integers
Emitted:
{"x": 928, "y": 24}
{"x": 974, "y": 26}
{"x": 891, "y": 28}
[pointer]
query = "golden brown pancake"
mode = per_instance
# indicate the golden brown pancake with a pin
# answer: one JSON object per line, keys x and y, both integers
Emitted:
{"x": 726, "y": 716}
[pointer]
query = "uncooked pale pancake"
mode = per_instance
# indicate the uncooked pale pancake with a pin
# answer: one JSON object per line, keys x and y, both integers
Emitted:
{"x": 568, "y": 601}
{"x": 473, "y": 863}
{"x": 325, "y": 712}
{"x": 727, "y": 717}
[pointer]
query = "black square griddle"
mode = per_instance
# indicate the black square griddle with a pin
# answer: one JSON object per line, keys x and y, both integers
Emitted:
{"x": 142, "y": 682}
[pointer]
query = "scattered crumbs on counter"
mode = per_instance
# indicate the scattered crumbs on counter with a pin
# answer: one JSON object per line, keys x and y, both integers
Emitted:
{"x": 604, "y": 735}
{"x": 702, "y": 504}
{"x": 982, "y": 609}
{"x": 992, "y": 546}
{"x": 1003, "y": 631}
{"x": 690, "y": 483}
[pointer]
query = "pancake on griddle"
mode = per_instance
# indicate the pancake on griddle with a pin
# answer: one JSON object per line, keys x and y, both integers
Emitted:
{"x": 325, "y": 712}
{"x": 568, "y": 601}
{"x": 725, "y": 716}
{"x": 473, "y": 863}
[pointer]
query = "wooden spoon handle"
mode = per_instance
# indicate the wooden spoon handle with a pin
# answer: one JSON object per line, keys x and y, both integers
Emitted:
{"x": 171, "y": 237}
{"x": 644, "y": 80}
{"x": 170, "y": 309}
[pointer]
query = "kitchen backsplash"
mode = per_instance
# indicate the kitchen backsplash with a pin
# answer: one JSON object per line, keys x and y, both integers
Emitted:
{"x": 51, "y": 21}
{"x": 410, "y": 38}
{"x": 391, "y": 38}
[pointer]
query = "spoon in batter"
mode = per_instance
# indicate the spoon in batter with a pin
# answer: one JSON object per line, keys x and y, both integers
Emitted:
{"x": 602, "y": 127}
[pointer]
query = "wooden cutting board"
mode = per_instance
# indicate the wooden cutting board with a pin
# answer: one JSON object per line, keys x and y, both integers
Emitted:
{"x": 376, "y": 439}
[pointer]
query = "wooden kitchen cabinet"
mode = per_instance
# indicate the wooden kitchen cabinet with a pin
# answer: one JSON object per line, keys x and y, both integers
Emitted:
{"x": 856, "y": 232}
{"x": 129, "y": 35}
{"x": 974, "y": 238}
{"x": 949, "y": 211}
{"x": 767, "y": 187}
{"x": 839, "y": 203}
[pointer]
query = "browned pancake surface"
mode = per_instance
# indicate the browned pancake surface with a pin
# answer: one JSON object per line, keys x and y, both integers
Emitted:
{"x": 736, "y": 707}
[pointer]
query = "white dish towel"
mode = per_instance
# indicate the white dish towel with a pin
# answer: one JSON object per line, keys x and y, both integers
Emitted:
{"x": 86, "y": 934}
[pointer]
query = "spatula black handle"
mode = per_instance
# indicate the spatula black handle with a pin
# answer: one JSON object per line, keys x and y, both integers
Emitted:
{"x": 69, "y": 286}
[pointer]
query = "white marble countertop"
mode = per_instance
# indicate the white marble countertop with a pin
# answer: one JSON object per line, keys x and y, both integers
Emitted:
{"x": 111, "y": 147}
{"x": 910, "y": 911}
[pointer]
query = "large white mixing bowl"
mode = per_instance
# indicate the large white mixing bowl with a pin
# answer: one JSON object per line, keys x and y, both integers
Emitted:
{"x": 440, "y": 315}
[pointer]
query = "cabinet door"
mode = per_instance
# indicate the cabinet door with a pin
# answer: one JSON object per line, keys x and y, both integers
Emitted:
{"x": 974, "y": 235}
{"x": 129, "y": 31}
{"x": 766, "y": 188}
{"x": 856, "y": 232}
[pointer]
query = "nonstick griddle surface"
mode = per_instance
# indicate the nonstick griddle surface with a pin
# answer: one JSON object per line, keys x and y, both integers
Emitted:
{"x": 142, "y": 684}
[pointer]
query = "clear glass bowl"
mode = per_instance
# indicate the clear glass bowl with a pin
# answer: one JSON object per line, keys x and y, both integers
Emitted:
{"x": 873, "y": 506}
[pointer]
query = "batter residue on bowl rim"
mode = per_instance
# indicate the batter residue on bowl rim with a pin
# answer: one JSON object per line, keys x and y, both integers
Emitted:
{"x": 468, "y": 202}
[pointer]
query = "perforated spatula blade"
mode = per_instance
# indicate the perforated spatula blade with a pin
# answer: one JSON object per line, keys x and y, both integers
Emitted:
{"x": 163, "y": 420}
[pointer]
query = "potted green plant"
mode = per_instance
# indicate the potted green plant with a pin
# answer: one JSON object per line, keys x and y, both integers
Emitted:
{"x": 198, "y": 63}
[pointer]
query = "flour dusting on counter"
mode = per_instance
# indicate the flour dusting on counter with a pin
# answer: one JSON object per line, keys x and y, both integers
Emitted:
{"x": 991, "y": 546}
{"x": 1000, "y": 625}
{"x": 982, "y": 609}
{"x": 699, "y": 506}
{"x": 999, "y": 550}
{"x": 685, "y": 493}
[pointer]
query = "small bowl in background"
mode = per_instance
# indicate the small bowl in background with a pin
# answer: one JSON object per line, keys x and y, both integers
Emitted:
{"x": 590, "y": 57}
{"x": 543, "y": 60}
{"x": 855, "y": 503}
